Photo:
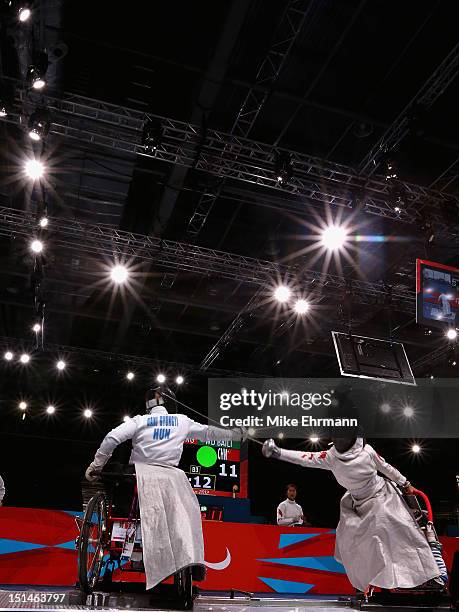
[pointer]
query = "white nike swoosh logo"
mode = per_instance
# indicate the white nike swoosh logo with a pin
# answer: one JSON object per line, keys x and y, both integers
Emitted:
{"x": 221, "y": 565}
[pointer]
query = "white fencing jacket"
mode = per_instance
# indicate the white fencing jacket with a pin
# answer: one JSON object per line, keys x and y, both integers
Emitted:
{"x": 355, "y": 470}
{"x": 288, "y": 512}
{"x": 158, "y": 438}
{"x": 2, "y": 489}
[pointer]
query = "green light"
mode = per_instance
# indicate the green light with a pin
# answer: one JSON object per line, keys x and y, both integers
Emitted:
{"x": 206, "y": 456}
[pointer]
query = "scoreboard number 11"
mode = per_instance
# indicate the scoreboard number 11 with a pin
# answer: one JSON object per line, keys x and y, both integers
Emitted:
{"x": 223, "y": 472}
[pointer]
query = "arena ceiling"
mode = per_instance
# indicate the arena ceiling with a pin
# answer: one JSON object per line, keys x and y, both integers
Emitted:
{"x": 228, "y": 89}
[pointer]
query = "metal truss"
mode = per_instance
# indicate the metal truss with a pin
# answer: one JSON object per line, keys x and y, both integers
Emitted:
{"x": 234, "y": 327}
{"x": 443, "y": 76}
{"x": 130, "y": 360}
{"x": 431, "y": 358}
{"x": 229, "y": 156}
{"x": 100, "y": 240}
{"x": 284, "y": 38}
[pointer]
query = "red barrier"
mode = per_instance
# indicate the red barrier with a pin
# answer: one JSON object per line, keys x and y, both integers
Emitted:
{"x": 37, "y": 547}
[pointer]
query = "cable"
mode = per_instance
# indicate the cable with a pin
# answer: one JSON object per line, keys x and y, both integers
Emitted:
{"x": 174, "y": 399}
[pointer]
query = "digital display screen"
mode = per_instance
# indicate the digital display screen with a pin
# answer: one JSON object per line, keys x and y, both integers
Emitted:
{"x": 437, "y": 294}
{"x": 213, "y": 468}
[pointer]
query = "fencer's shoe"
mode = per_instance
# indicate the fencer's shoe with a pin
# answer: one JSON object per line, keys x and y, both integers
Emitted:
{"x": 270, "y": 449}
{"x": 434, "y": 584}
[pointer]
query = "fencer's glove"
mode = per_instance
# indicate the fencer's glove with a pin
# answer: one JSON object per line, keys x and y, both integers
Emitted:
{"x": 270, "y": 449}
{"x": 92, "y": 474}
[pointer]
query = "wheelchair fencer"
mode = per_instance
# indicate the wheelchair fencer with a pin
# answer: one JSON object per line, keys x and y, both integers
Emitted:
{"x": 110, "y": 536}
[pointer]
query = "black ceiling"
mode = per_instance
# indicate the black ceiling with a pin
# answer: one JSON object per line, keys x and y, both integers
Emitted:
{"x": 345, "y": 75}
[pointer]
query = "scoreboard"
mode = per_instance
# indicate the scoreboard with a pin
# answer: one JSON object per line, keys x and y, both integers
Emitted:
{"x": 215, "y": 467}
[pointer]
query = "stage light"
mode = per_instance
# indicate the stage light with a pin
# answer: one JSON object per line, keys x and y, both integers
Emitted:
{"x": 280, "y": 435}
{"x": 22, "y": 406}
{"x": 179, "y": 380}
{"x": 43, "y": 222}
{"x": 119, "y": 274}
{"x": 3, "y": 111}
{"x": 24, "y": 358}
{"x": 34, "y": 169}
{"x": 24, "y": 13}
{"x": 39, "y": 124}
{"x": 334, "y": 237}
{"x": 161, "y": 378}
{"x": 87, "y": 413}
{"x": 314, "y": 439}
{"x": 152, "y": 135}
{"x": 408, "y": 412}
{"x": 451, "y": 334}
{"x": 8, "y": 355}
{"x": 282, "y": 293}
{"x": 126, "y": 418}
{"x": 36, "y": 246}
{"x": 36, "y": 328}
{"x": 283, "y": 166}
{"x": 416, "y": 448}
{"x": 50, "y": 410}
{"x": 453, "y": 363}
{"x": 301, "y": 307}
{"x": 431, "y": 377}
{"x": 251, "y": 432}
{"x": 385, "y": 408}
{"x": 36, "y": 73}
{"x": 60, "y": 365}
{"x": 397, "y": 209}
{"x": 130, "y": 375}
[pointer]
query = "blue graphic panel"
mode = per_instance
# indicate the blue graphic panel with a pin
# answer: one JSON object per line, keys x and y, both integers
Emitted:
{"x": 287, "y": 539}
{"x": 70, "y": 545}
{"x": 327, "y": 564}
{"x": 286, "y": 586}
{"x": 13, "y": 546}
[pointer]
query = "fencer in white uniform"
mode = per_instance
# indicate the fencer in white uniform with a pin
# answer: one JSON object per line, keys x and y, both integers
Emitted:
{"x": 2, "y": 490}
{"x": 377, "y": 540}
{"x": 289, "y": 513}
{"x": 169, "y": 510}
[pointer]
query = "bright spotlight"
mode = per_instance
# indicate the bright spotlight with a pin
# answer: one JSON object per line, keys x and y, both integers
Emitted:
{"x": 43, "y": 222}
{"x": 87, "y": 413}
{"x": 314, "y": 439}
{"x": 3, "y": 111}
{"x": 119, "y": 274}
{"x": 8, "y": 355}
{"x": 451, "y": 334}
{"x": 22, "y": 406}
{"x": 179, "y": 380}
{"x": 126, "y": 418}
{"x": 130, "y": 375}
{"x": 34, "y": 169}
{"x": 334, "y": 237}
{"x": 60, "y": 365}
{"x": 408, "y": 412}
{"x": 385, "y": 408}
{"x": 24, "y": 358}
{"x": 24, "y": 14}
{"x": 36, "y": 328}
{"x": 50, "y": 410}
{"x": 416, "y": 448}
{"x": 280, "y": 435}
{"x": 36, "y": 246}
{"x": 161, "y": 378}
{"x": 301, "y": 307}
{"x": 282, "y": 293}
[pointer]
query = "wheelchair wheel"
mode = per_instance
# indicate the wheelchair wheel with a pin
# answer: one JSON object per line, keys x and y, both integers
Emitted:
{"x": 91, "y": 542}
{"x": 184, "y": 584}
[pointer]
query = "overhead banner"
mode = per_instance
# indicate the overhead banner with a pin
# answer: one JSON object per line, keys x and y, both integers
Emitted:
{"x": 327, "y": 407}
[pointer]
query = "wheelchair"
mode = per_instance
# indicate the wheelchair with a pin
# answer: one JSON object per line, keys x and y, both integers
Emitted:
{"x": 110, "y": 536}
